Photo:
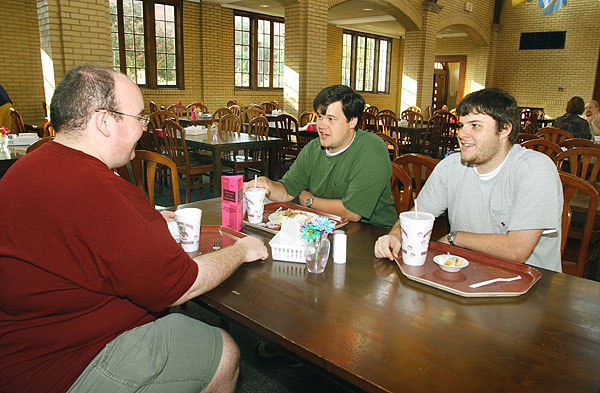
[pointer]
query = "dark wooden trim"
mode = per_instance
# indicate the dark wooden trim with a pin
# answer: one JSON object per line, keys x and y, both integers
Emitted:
{"x": 354, "y": 56}
{"x": 596, "y": 95}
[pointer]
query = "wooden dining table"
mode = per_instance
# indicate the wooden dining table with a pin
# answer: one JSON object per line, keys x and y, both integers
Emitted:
{"x": 369, "y": 328}
{"x": 233, "y": 141}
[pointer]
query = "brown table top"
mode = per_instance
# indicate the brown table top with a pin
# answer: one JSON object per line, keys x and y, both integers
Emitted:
{"x": 368, "y": 325}
{"x": 231, "y": 140}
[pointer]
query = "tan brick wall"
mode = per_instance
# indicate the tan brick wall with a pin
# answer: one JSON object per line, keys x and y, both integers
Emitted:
{"x": 535, "y": 76}
{"x": 476, "y": 59}
{"x": 21, "y": 70}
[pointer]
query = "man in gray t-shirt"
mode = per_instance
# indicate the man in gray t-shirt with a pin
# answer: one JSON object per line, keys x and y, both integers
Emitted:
{"x": 502, "y": 199}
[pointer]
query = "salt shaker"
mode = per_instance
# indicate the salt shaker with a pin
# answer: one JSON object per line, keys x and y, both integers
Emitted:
{"x": 339, "y": 246}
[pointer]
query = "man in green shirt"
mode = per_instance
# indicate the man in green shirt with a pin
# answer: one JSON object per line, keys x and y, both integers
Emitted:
{"x": 345, "y": 171}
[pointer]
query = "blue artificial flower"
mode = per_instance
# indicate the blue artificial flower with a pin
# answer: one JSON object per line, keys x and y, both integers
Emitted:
{"x": 324, "y": 225}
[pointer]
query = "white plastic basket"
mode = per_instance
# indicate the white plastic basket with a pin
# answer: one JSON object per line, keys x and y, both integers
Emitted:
{"x": 284, "y": 252}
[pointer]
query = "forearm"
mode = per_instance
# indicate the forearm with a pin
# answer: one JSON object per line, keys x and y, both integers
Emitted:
{"x": 213, "y": 269}
{"x": 514, "y": 246}
{"x": 278, "y": 193}
{"x": 331, "y": 206}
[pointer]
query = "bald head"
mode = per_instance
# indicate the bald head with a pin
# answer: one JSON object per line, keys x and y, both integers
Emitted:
{"x": 591, "y": 108}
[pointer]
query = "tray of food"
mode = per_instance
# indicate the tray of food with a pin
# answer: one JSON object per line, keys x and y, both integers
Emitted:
{"x": 275, "y": 212}
{"x": 471, "y": 274}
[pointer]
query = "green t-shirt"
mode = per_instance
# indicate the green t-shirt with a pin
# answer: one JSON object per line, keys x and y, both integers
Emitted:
{"x": 360, "y": 177}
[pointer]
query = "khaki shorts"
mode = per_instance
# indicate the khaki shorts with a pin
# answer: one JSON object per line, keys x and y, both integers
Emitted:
{"x": 172, "y": 354}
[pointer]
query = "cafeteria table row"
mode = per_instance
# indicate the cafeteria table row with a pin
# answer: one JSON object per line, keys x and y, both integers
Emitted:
{"x": 367, "y": 326}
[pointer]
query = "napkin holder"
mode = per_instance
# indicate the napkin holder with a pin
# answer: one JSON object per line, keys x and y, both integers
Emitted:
{"x": 288, "y": 245}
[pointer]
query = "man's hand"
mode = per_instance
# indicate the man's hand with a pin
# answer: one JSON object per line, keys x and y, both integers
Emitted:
{"x": 168, "y": 215}
{"x": 261, "y": 182}
{"x": 254, "y": 249}
{"x": 388, "y": 246}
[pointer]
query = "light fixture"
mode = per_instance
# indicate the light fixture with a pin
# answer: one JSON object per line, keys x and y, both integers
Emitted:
{"x": 264, "y": 6}
{"x": 367, "y": 9}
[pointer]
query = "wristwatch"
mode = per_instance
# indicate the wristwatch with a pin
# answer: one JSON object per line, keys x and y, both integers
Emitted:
{"x": 309, "y": 201}
{"x": 451, "y": 237}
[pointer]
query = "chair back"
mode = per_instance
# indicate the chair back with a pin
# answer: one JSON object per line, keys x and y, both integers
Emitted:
{"x": 275, "y": 104}
{"x": 418, "y": 167}
{"x": 415, "y": 108}
{"x": 414, "y": 119}
{"x": 17, "y": 122}
{"x": 152, "y": 106}
{"x": 401, "y": 186}
{"x": 258, "y": 126}
{"x": 229, "y": 122}
{"x": 158, "y": 118}
{"x": 307, "y": 117}
{"x": 391, "y": 144}
{"x": 554, "y": 134}
{"x": 258, "y": 107}
{"x": 230, "y": 103}
{"x": 180, "y": 111}
{"x": 249, "y": 114}
{"x": 574, "y": 258}
{"x": 368, "y": 122}
{"x": 372, "y": 109}
{"x": 220, "y": 113}
{"x": 389, "y": 111}
{"x": 198, "y": 105}
{"x": 525, "y": 136}
{"x": 435, "y": 138}
{"x": 268, "y": 106}
{"x": 583, "y": 162}
{"x": 545, "y": 146}
{"x": 287, "y": 130}
{"x": 38, "y": 143}
{"x": 578, "y": 142}
{"x": 235, "y": 109}
{"x": 524, "y": 115}
{"x": 151, "y": 160}
{"x": 48, "y": 130}
{"x": 174, "y": 144}
{"x": 387, "y": 124}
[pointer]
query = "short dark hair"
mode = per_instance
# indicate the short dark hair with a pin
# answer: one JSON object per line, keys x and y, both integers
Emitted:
{"x": 498, "y": 104}
{"x": 353, "y": 103}
{"x": 83, "y": 90}
{"x": 576, "y": 105}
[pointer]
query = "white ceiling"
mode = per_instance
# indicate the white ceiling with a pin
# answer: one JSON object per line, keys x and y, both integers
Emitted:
{"x": 354, "y": 15}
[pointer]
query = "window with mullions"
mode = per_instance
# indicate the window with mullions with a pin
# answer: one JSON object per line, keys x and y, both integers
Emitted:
{"x": 146, "y": 40}
{"x": 366, "y": 62}
{"x": 259, "y": 46}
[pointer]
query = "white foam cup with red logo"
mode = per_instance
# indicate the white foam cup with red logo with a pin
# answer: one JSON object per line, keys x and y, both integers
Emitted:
{"x": 256, "y": 204}
{"x": 416, "y": 231}
{"x": 188, "y": 221}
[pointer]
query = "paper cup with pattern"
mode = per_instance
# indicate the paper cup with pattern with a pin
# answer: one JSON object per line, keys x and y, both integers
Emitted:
{"x": 416, "y": 231}
{"x": 188, "y": 221}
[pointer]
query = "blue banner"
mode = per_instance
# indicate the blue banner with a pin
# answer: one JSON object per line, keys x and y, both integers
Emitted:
{"x": 549, "y": 7}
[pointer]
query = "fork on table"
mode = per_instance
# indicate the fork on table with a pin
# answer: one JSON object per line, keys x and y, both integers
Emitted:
{"x": 216, "y": 244}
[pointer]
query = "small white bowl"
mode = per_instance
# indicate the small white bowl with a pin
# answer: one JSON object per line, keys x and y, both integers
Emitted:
{"x": 442, "y": 259}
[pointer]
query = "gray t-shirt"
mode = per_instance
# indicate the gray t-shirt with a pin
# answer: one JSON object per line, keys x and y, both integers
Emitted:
{"x": 525, "y": 193}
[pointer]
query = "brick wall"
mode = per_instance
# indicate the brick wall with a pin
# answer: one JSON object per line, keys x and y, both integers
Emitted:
{"x": 534, "y": 77}
{"x": 476, "y": 59}
{"x": 21, "y": 70}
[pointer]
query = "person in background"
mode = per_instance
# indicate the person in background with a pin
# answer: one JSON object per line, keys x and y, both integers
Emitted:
{"x": 346, "y": 171}
{"x": 86, "y": 262}
{"x": 5, "y": 105}
{"x": 591, "y": 115}
{"x": 502, "y": 199}
{"x": 572, "y": 122}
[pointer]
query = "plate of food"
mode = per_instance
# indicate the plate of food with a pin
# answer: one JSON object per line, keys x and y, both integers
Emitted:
{"x": 275, "y": 212}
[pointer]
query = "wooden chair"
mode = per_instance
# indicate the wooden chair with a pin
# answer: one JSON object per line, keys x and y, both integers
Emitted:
{"x": 524, "y": 115}
{"x": 372, "y": 109}
{"x": 583, "y": 162}
{"x": 149, "y": 161}
{"x": 525, "y": 136}
{"x": 220, "y": 113}
{"x": 418, "y": 167}
{"x": 414, "y": 108}
{"x": 545, "y": 146}
{"x": 531, "y": 125}
{"x": 176, "y": 149}
{"x": 48, "y": 130}
{"x": 401, "y": 186}
{"x": 307, "y": 117}
{"x": 252, "y": 159}
{"x": 391, "y": 144}
{"x": 368, "y": 122}
{"x": 275, "y": 104}
{"x": 258, "y": 107}
{"x": 288, "y": 149}
{"x": 577, "y": 251}
{"x": 414, "y": 119}
{"x": 230, "y": 103}
{"x": 157, "y": 120}
{"x": 578, "y": 142}
{"x": 249, "y": 114}
{"x": 433, "y": 138}
{"x": 17, "y": 122}
{"x": 229, "y": 122}
{"x": 268, "y": 106}
{"x": 388, "y": 111}
{"x": 153, "y": 107}
{"x": 387, "y": 124}
{"x": 196, "y": 105}
{"x": 554, "y": 134}
{"x": 236, "y": 110}
{"x": 38, "y": 143}
{"x": 180, "y": 111}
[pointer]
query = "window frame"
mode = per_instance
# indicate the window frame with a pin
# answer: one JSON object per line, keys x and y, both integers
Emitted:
{"x": 150, "y": 55}
{"x": 376, "y": 61}
{"x": 254, "y": 17}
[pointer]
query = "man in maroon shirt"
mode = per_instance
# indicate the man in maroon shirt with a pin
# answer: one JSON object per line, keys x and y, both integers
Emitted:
{"x": 86, "y": 262}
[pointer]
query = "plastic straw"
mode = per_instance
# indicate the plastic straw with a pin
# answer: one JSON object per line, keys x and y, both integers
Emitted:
{"x": 255, "y": 182}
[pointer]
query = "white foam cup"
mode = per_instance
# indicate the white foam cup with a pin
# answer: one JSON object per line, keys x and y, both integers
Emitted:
{"x": 256, "y": 204}
{"x": 189, "y": 221}
{"x": 416, "y": 232}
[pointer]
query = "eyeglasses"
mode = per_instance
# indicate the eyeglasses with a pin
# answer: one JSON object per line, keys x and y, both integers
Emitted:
{"x": 144, "y": 119}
